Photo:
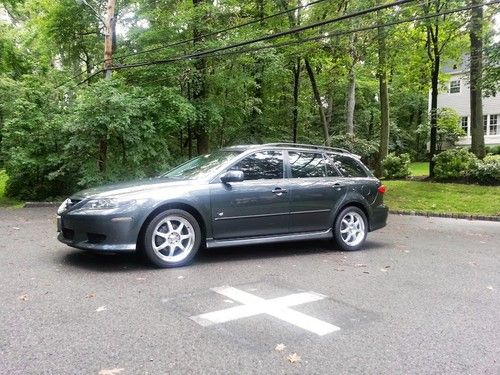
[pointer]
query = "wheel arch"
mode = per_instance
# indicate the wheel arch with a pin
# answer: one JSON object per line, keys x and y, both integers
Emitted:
{"x": 357, "y": 204}
{"x": 168, "y": 206}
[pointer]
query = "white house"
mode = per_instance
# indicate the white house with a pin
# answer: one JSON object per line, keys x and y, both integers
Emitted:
{"x": 456, "y": 95}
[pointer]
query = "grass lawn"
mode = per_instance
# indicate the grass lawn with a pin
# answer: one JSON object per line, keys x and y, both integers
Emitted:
{"x": 419, "y": 169}
{"x": 4, "y": 201}
{"x": 443, "y": 198}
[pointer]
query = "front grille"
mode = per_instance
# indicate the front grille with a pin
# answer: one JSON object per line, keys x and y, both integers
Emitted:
{"x": 68, "y": 233}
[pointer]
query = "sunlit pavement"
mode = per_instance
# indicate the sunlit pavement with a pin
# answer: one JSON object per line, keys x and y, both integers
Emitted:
{"x": 423, "y": 297}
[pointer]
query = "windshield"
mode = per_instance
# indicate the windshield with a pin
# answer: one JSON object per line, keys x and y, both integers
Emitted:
{"x": 202, "y": 166}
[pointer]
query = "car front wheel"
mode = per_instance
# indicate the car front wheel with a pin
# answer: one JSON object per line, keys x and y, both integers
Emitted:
{"x": 172, "y": 238}
{"x": 350, "y": 229}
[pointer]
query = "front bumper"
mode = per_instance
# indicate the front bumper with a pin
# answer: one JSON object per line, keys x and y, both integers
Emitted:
{"x": 98, "y": 232}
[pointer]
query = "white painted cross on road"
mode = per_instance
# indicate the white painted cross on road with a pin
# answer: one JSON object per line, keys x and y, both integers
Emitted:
{"x": 276, "y": 307}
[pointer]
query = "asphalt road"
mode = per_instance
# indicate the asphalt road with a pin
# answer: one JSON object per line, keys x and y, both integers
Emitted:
{"x": 422, "y": 298}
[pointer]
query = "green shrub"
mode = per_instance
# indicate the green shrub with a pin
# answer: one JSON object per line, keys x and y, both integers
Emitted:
{"x": 396, "y": 166}
{"x": 486, "y": 171}
{"x": 454, "y": 163}
{"x": 495, "y": 150}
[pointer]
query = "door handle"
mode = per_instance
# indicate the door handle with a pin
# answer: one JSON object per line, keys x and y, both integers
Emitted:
{"x": 278, "y": 191}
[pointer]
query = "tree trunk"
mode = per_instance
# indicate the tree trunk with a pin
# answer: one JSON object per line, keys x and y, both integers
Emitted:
{"x": 476, "y": 67}
{"x": 317, "y": 97}
{"x": 295, "y": 109}
{"x": 350, "y": 101}
{"x": 384, "y": 100}
{"x": 199, "y": 88}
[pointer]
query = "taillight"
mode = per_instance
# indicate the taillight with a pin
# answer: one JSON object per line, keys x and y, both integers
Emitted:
{"x": 381, "y": 189}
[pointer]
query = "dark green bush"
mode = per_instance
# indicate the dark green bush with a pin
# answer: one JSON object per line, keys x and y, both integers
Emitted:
{"x": 396, "y": 166}
{"x": 454, "y": 164}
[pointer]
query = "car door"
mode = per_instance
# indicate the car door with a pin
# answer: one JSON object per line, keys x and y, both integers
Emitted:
{"x": 258, "y": 205}
{"x": 314, "y": 191}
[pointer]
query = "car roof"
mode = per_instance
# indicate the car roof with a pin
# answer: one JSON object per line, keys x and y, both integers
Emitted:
{"x": 298, "y": 146}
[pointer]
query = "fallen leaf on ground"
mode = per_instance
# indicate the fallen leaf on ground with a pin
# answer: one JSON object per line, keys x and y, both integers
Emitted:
{"x": 294, "y": 357}
{"x": 91, "y": 295}
{"x": 113, "y": 371}
{"x": 23, "y": 297}
{"x": 101, "y": 308}
{"x": 360, "y": 265}
{"x": 280, "y": 347}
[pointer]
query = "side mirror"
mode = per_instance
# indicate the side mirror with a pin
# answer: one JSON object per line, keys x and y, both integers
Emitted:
{"x": 232, "y": 176}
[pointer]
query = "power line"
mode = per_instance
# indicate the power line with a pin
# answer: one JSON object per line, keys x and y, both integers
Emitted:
{"x": 218, "y": 32}
{"x": 266, "y": 37}
{"x": 337, "y": 33}
{"x": 185, "y": 41}
{"x": 222, "y": 51}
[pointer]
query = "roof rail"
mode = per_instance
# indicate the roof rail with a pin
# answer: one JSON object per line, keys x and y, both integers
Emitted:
{"x": 305, "y": 145}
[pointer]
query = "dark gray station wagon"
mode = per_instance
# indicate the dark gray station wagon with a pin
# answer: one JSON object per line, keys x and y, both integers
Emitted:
{"x": 239, "y": 195}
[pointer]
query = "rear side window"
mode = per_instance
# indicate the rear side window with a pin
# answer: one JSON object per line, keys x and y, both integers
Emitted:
{"x": 349, "y": 167}
{"x": 307, "y": 164}
{"x": 262, "y": 165}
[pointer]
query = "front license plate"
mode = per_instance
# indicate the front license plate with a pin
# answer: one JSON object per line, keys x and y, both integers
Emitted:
{"x": 59, "y": 223}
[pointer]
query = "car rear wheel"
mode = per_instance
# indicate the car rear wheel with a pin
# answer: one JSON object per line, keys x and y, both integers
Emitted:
{"x": 350, "y": 229}
{"x": 172, "y": 238}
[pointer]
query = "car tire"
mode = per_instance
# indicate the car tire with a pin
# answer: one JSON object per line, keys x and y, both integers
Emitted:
{"x": 172, "y": 239}
{"x": 350, "y": 229}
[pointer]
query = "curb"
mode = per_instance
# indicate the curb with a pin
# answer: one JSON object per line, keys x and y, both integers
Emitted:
{"x": 41, "y": 204}
{"x": 445, "y": 215}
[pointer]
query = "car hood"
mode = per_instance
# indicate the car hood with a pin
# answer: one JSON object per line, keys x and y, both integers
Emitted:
{"x": 131, "y": 187}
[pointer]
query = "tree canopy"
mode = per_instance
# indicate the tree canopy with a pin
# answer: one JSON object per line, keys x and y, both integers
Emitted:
{"x": 172, "y": 95}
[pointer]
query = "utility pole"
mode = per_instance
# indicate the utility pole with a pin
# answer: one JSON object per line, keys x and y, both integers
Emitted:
{"x": 109, "y": 37}
{"x": 109, "y": 28}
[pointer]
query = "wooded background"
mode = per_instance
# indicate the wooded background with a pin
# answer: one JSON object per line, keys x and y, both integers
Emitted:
{"x": 94, "y": 91}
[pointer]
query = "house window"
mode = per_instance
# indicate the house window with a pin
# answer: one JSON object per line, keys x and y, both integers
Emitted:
{"x": 454, "y": 86}
{"x": 494, "y": 124}
{"x": 464, "y": 122}
{"x": 485, "y": 124}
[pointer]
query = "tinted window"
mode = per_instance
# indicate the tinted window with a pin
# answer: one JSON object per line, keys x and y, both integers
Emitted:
{"x": 307, "y": 164}
{"x": 261, "y": 165}
{"x": 349, "y": 167}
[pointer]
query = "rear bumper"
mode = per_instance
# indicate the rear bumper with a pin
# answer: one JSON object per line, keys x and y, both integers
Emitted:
{"x": 378, "y": 218}
{"x": 97, "y": 233}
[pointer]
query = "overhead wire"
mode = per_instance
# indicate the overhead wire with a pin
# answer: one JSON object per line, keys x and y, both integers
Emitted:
{"x": 291, "y": 31}
{"x": 226, "y": 50}
{"x": 191, "y": 40}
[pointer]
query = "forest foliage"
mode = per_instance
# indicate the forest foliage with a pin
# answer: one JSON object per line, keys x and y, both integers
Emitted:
{"x": 56, "y": 109}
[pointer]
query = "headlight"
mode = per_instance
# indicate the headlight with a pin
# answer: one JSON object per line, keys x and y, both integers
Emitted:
{"x": 63, "y": 206}
{"x": 106, "y": 203}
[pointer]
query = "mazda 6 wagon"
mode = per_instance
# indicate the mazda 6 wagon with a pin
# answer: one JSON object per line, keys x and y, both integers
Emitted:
{"x": 239, "y": 195}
